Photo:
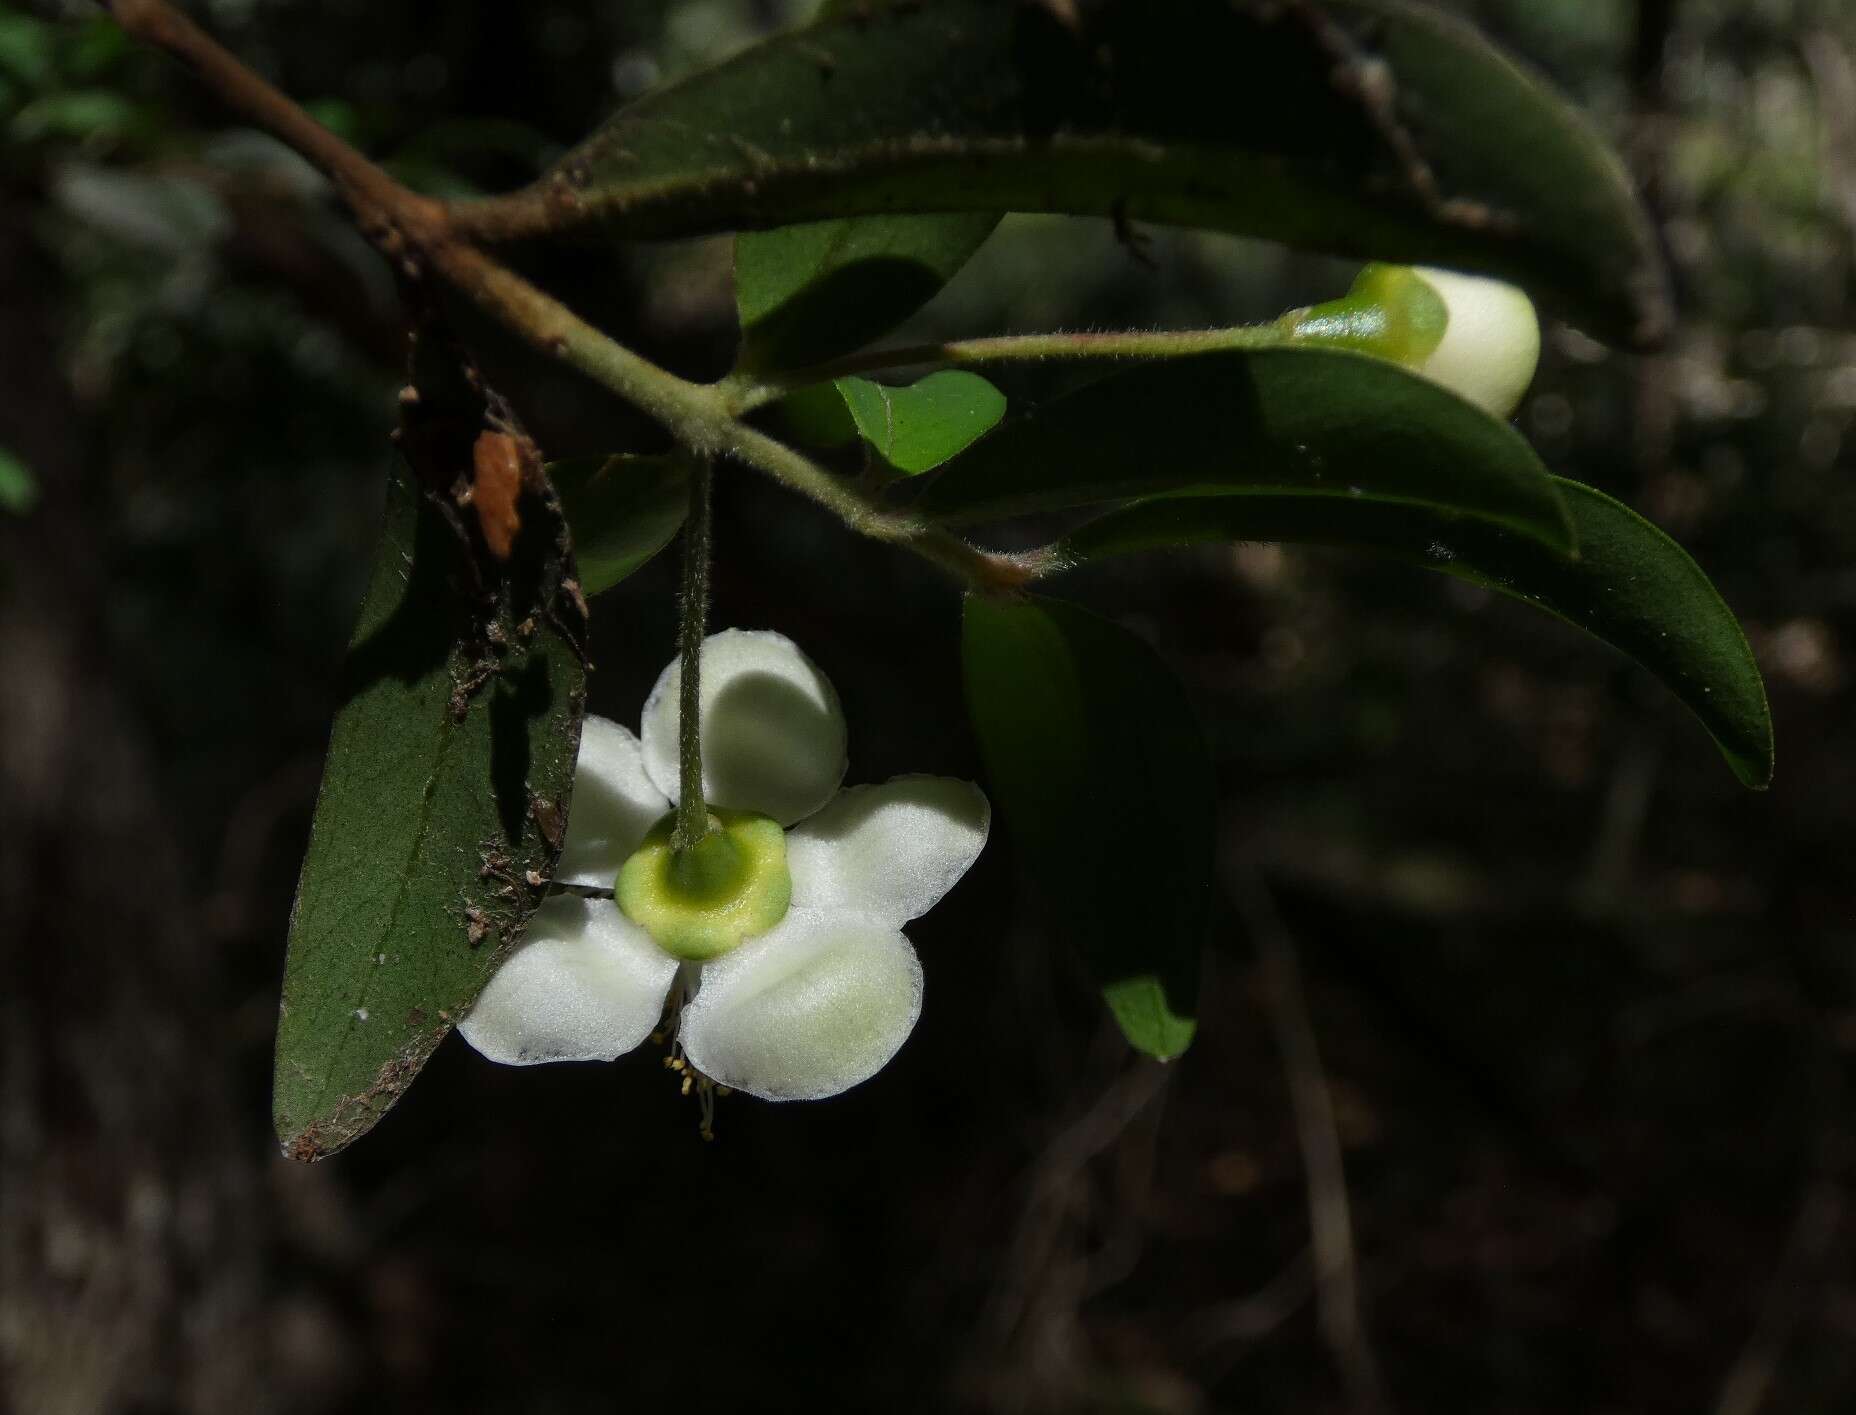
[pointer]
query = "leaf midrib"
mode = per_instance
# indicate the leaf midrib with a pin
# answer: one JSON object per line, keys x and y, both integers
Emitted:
{"x": 448, "y": 728}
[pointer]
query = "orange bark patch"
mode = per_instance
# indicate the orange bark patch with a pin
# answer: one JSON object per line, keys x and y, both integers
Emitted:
{"x": 496, "y": 484}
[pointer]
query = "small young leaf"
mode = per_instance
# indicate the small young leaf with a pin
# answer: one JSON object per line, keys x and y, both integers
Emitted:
{"x": 445, "y": 789}
{"x": 1631, "y": 586}
{"x": 622, "y": 511}
{"x": 1101, "y": 774}
{"x": 1374, "y": 128}
{"x": 921, "y": 425}
{"x": 1328, "y": 424}
{"x": 807, "y": 293}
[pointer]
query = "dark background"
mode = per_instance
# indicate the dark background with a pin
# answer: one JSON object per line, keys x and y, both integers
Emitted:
{"x": 1585, "y": 1006}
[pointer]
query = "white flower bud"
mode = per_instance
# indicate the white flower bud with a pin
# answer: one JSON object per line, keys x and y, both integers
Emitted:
{"x": 1477, "y": 337}
{"x": 1491, "y": 342}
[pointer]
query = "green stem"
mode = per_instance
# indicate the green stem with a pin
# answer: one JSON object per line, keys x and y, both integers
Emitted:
{"x": 699, "y": 416}
{"x": 692, "y": 810}
{"x": 747, "y": 392}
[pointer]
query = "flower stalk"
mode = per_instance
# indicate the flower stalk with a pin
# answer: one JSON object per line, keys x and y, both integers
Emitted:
{"x": 692, "y": 811}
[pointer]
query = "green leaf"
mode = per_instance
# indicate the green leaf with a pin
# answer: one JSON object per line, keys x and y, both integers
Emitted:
{"x": 447, "y": 781}
{"x": 622, "y": 511}
{"x": 1374, "y": 128}
{"x": 1631, "y": 586}
{"x": 1328, "y": 424}
{"x": 1101, "y": 773}
{"x": 19, "y": 491}
{"x": 808, "y": 293}
{"x": 920, "y": 425}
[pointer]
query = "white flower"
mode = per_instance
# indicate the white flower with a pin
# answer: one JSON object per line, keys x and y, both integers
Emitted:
{"x": 827, "y": 996}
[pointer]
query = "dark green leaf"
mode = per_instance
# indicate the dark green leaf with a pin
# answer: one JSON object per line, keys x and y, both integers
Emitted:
{"x": 622, "y": 511}
{"x": 447, "y": 781}
{"x": 1374, "y": 128}
{"x": 1101, "y": 774}
{"x": 920, "y": 425}
{"x": 1328, "y": 424}
{"x": 810, "y": 292}
{"x": 1631, "y": 586}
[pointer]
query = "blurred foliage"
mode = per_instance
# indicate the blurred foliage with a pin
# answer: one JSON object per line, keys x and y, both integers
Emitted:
{"x": 1586, "y": 1004}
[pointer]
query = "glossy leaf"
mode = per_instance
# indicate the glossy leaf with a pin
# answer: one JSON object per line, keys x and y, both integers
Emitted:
{"x": 622, "y": 511}
{"x": 916, "y": 426}
{"x": 447, "y": 782}
{"x": 1631, "y": 586}
{"x": 1374, "y": 128}
{"x": 1325, "y": 424}
{"x": 807, "y": 293}
{"x": 1102, "y": 778}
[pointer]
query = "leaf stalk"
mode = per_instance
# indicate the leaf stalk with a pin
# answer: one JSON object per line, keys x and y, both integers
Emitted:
{"x": 744, "y": 393}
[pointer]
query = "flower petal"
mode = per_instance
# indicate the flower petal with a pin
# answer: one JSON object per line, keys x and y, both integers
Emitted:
{"x": 889, "y": 851}
{"x": 614, "y": 805}
{"x": 807, "y": 1011}
{"x": 772, "y": 730}
{"x": 587, "y": 985}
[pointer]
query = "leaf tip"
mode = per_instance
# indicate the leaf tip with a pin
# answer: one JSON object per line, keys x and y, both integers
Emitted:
{"x": 1755, "y": 772}
{"x": 305, "y": 1148}
{"x": 1168, "y": 1049}
{"x": 304, "y": 1143}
